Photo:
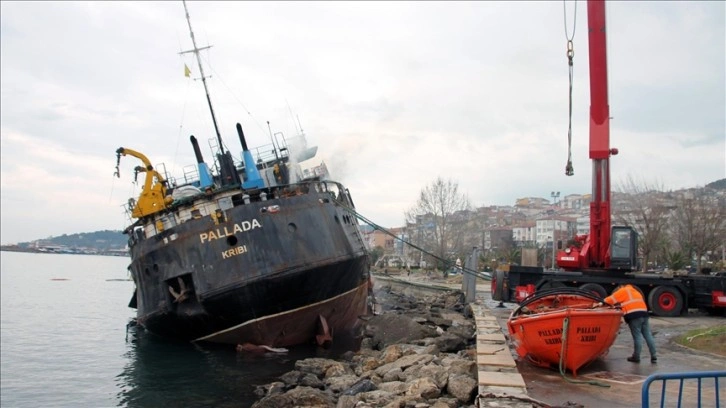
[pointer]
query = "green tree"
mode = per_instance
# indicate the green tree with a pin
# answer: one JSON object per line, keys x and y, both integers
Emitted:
{"x": 675, "y": 260}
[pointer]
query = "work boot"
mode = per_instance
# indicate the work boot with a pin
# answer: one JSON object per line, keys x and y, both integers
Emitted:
{"x": 634, "y": 359}
{"x": 654, "y": 360}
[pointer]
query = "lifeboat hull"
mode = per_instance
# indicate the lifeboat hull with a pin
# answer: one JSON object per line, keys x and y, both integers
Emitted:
{"x": 563, "y": 330}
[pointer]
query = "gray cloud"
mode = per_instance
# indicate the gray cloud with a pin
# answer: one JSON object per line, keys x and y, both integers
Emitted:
{"x": 394, "y": 93}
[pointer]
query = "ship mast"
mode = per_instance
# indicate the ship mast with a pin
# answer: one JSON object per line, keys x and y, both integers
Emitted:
{"x": 201, "y": 71}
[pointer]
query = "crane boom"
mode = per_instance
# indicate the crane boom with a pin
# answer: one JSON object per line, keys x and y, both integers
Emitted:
{"x": 600, "y": 216}
{"x": 593, "y": 251}
{"x": 153, "y": 196}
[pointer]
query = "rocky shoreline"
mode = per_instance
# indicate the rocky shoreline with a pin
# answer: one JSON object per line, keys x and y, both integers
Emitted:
{"x": 419, "y": 352}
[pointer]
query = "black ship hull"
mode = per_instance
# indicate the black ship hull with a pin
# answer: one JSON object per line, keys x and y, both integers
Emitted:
{"x": 234, "y": 267}
{"x": 260, "y": 251}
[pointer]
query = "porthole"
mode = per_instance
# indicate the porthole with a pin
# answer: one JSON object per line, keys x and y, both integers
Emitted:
{"x": 291, "y": 227}
{"x": 231, "y": 240}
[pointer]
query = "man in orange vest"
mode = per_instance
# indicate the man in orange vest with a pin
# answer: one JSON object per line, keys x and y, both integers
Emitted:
{"x": 635, "y": 311}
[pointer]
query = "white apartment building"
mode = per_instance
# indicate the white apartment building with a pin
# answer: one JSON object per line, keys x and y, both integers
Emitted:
{"x": 557, "y": 227}
{"x": 525, "y": 233}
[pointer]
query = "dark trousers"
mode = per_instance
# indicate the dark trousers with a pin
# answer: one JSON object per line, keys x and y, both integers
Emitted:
{"x": 640, "y": 329}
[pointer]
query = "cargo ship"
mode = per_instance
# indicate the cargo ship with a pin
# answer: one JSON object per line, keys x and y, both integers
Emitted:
{"x": 258, "y": 250}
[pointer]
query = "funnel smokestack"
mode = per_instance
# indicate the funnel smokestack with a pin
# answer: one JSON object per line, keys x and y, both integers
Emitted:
{"x": 197, "y": 152}
{"x": 254, "y": 180}
{"x": 242, "y": 137}
{"x": 205, "y": 176}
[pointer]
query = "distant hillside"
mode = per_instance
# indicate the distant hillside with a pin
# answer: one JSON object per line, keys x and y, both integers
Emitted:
{"x": 100, "y": 240}
{"x": 718, "y": 184}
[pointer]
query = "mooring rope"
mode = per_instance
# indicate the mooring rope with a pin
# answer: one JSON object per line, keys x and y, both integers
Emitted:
{"x": 563, "y": 353}
{"x": 447, "y": 263}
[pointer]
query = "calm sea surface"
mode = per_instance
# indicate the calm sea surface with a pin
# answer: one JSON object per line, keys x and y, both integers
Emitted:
{"x": 64, "y": 343}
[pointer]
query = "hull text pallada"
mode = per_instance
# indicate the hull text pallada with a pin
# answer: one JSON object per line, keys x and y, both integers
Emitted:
{"x": 218, "y": 233}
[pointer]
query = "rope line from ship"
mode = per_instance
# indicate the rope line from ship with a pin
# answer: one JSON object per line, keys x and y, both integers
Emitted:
{"x": 447, "y": 263}
{"x": 563, "y": 352}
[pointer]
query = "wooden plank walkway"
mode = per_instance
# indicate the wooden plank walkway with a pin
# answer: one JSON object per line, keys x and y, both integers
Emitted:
{"x": 497, "y": 369}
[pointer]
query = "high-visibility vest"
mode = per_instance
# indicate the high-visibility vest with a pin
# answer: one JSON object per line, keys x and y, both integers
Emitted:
{"x": 629, "y": 298}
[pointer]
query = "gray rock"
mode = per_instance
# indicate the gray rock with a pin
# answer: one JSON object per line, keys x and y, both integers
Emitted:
{"x": 341, "y": 383}
{"x": 365, "y": 365}
{"x": 337, "y": 369}
{"x": 465, "y": 331}
{"x": 312, "y": 381}
{"x": 316, "y": 366}
{"x": 462, "y": 387}
{"x": 272, "y": 388}
{"x": 391, "y": 353}
{"x": 458, "y": 365}
{"x": 297, "y": 397}
{"x": 404, "y": 362}
{"x": 394, "y": 387}
{"x": 435, "y": 372}
{"x": 387, "y": 329}
{"x": 446, "y": 403}
{"x": 392, "y": 375}
{"x": 291, "y": 378}
{"x": 377, "y": 398}
{"x": 449, "y": 342}
{"x": 445, "y": 323}
{"x": 423, "y": 387}
{"x": 367, "y": 343}
{"x": 363, "y": 385}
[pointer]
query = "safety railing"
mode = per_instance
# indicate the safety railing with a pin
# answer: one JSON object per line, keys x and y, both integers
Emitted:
{"x": 700, "y": 378}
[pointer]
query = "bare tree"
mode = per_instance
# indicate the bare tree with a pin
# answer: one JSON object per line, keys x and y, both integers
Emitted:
{"x": 466, "y": 230}
{"x": 436, "y": 209}
{"x": 699, "y": 224}
{"x": 642, "y": 206}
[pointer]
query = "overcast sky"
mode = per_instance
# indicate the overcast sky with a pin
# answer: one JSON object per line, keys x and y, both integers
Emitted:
{"x": 394, "y": 94}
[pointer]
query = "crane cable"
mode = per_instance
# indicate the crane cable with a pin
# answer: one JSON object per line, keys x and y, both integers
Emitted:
{"x": 569, "y": 170}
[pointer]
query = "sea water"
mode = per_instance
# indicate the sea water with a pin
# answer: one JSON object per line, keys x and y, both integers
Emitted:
{"x": 64, "y": 342}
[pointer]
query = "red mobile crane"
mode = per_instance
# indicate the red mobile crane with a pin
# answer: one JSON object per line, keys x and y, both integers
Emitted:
{"x": 607, "y": 256}
{"x": 593, "y": 251}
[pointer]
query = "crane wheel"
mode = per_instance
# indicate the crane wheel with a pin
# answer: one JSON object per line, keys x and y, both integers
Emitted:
{"x": 665, "y": 301}
{"x": 595, "y": 288}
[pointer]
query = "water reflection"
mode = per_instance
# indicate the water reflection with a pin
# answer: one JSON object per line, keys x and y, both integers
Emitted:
{"x": 161, "y": 372}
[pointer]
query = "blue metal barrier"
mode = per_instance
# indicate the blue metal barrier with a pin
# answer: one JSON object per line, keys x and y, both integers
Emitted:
{"x": 698, "y": 375}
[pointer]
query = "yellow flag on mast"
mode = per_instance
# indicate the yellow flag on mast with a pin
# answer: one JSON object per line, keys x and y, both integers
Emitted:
{"x": 187, "y": 71}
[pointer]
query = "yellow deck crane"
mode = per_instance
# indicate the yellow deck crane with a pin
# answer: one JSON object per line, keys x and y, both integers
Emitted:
{"x": 153, "y": 196}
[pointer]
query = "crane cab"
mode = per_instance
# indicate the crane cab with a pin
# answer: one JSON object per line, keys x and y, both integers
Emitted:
{"x": 624, "y": 249}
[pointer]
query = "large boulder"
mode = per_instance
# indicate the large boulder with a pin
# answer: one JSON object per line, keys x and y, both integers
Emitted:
{"x": 387, "y": 329}
{"x": 315, "y": 366}
{"x": 297, "y": 398}
{"x": 462, "y": 387}
{"x": 423, "y": 387}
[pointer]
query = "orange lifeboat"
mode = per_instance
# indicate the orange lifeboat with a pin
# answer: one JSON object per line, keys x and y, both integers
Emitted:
{"x": 561, "y": 328}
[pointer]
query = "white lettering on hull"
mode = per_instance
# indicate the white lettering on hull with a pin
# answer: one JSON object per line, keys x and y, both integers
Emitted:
{"x": 234, "y": 251}
{"x": 236, "y": 228}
